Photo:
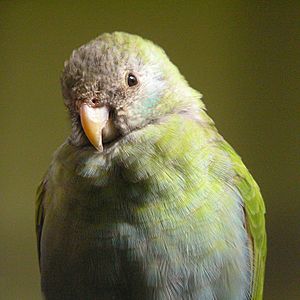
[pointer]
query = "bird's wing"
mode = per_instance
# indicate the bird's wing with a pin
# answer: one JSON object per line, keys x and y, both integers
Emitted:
{"x": 39, "y": 212}
{"x": 255, "y": 221}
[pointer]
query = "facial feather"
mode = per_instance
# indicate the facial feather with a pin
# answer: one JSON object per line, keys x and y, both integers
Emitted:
{"x": 99, "y": 70}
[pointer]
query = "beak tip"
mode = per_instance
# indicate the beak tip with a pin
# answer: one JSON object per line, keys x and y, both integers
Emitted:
{"x": 99, "y": 148}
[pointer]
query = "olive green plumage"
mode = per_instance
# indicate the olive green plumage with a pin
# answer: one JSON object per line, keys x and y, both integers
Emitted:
{"x": 167, "y": 211}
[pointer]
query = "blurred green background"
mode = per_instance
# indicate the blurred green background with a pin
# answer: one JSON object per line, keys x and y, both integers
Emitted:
{"x": 242, "y": 55}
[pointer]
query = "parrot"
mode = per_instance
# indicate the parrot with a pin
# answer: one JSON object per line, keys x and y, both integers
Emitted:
{"x": 145, "y": 199}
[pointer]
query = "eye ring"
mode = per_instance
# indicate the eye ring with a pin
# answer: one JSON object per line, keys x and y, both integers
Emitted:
{"x": 131, "y": 80}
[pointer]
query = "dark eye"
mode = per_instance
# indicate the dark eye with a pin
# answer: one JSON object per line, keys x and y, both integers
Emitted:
{"x": 131, "y": 80}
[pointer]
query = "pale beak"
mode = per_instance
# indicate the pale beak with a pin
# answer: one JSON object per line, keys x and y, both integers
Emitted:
{"x": 93, "y": 121}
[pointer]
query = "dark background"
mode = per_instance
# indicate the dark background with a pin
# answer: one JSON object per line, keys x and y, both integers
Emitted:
{"x": 242, "y": 55}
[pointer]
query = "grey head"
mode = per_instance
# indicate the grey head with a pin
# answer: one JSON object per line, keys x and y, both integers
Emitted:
{"x": 130, "y": 78}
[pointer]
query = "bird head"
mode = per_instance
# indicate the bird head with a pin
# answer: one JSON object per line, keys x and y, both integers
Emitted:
{"x": 119, "y": 83}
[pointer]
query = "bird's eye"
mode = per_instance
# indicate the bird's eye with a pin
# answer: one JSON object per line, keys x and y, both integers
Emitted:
{"x": 131, "y": 80}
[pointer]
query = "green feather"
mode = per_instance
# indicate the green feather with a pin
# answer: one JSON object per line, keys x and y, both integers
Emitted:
{"x": 255, "y": 217}
{"x": 209, "y": 165}
{"x": 168, "y": 211}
